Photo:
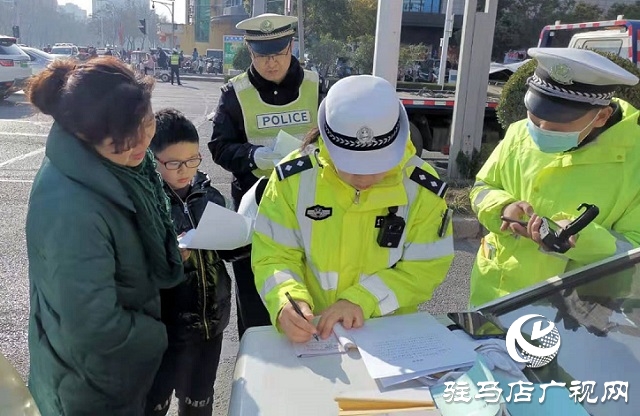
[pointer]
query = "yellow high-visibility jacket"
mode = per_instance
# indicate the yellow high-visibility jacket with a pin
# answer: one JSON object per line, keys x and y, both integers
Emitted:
{"x": 316, "y": 237}
{"x": 605, "y": 172}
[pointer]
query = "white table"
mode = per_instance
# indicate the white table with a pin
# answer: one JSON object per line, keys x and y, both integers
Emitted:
{"x": 269, "y": 379}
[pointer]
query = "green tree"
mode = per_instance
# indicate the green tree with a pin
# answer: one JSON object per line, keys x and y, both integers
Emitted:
{"x": 325, "y": 51}
{"x": 584, "y": 12}
{"x": 519, "y": 22}
{"x": 630, "y": 11}
{"x": 362, "y": 17}
{"x": 411, "y": 53}
{"x": 242, "y": 59}
{"x": 362, "y": 58}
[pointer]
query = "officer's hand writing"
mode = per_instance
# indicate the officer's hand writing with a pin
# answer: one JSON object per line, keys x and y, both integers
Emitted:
{"x": 343, "y": 311}
{"x": 295, "y": 327}
{"x": 518, "y": 211}
{"x": 534, "y": 230}
{"x": 265, "y": 158}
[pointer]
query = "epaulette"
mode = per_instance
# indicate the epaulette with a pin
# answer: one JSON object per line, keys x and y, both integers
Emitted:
{"x": 293, "y": 167}
{"x": 226, "y": 87}
{"x": 427, "y": 180}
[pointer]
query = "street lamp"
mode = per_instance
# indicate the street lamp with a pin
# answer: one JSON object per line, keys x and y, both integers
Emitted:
{"x": 170, "y": 6}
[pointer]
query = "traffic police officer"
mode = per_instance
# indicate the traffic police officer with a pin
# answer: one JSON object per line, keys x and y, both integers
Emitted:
{"x": 175, "y": 61}
{"x": 354, "y": 226}
{"x": 578, "y": 145}
{"x": 274, "y": 94}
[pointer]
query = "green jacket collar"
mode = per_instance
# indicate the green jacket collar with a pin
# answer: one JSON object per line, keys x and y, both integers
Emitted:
{"x": 79, "y": 163}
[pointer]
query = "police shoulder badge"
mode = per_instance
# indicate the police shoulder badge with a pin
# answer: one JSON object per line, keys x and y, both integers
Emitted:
{"x": 562, "y": 74}
{"x": 318, "y": 212}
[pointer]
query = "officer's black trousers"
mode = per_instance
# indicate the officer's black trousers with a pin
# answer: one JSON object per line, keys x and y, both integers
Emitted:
{"x": 251, "y": 310}
{"x": 175, "y": 69}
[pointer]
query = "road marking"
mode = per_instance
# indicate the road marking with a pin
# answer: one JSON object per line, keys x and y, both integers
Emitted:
{"x": 16, "y": 180}
{"x": 24, "y": 156}
{"x": 24, "y": 134}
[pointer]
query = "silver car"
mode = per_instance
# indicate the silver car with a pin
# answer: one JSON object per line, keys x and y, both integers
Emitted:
{"x": 39, "y": 59}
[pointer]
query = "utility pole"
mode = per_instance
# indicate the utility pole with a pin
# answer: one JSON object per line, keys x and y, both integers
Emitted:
{"x": 170, "y": 5}
{"x": 473, "y": 80}
{"x": 300, "y": 31}
{"x": 444, "y": 43}
{"x": 287, "y": 7}
{"x": 387, "y": 48}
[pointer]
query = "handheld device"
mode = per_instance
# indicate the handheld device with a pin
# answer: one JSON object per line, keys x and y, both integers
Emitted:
{"x": 476, "y": 325}
{"x": 556, "y": 238}
{"x": 522, "y": 223}
{"x": 391, "y": 229}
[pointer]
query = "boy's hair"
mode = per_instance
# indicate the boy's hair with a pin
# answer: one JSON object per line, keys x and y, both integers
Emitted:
{"x": 172, "y": 127}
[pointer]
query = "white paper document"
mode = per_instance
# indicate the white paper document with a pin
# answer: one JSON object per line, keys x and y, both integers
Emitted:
{"x": 396, "y": 349}
{"x": 286, "y": 143}
{"x": 337, "y": 343}
{"x": 219, "y": 229}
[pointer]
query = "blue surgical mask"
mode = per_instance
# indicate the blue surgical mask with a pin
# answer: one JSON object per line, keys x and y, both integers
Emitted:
{"x": 555, "y": 141}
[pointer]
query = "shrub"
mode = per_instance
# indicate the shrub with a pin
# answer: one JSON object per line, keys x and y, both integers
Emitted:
{"x": 511, "y": 107}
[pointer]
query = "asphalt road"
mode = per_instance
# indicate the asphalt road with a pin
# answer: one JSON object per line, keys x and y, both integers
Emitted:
{"x": 22, "y": 137}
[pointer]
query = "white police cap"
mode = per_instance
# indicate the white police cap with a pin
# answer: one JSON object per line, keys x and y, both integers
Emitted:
{"x": 268, "y": 33}
{"x": 568, "y": 82}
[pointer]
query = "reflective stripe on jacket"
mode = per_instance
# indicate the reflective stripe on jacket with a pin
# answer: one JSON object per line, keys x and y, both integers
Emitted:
{"x": 604, "y": 172}
{"x": 316, "y": 237}
{"x": 263, "y": 121}
{"x": 175, "y": 59}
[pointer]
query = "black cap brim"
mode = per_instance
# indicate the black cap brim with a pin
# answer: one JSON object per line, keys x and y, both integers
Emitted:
{"x": 555, "y": 110}
{"x": 269, "y": 47}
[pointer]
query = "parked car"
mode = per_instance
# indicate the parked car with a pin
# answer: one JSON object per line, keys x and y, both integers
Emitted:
{"x": 39, "y": 59}
{"x": 65, "y": 50}
{"x": 14, "y": 66}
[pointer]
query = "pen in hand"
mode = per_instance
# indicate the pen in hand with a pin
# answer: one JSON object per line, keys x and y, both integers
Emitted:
{"x": 298, "y": 311}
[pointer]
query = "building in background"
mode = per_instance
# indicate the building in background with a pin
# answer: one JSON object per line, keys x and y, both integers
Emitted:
{"x": 423, "y": 22}
{"x": 208, "y": 21}
{"x": 74, "y": 10}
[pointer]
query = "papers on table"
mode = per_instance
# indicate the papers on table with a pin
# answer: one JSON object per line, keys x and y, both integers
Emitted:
{"x": 219, "y": 229}
{"x": 396, "y": 349}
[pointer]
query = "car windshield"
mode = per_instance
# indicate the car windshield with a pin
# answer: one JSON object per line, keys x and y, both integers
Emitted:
{"x": 597, "y": 313}
{"x": 61, "y": 51}
{"x": 41, "y": 54}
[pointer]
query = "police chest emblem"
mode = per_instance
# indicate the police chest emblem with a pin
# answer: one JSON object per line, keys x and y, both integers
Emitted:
{"x": 562, "y": 74}
{"x": 266, "y": 26}
{"x": 364, "y": 135}
{"x": 318, "y": 212}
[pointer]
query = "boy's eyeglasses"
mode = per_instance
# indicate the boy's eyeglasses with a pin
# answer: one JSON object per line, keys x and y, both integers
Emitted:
{"x": 266, "y": 58}
{"x": 177, "y": 164}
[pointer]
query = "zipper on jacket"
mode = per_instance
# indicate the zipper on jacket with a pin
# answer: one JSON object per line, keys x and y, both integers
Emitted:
{"x": 200, "y": 264}
{"x": 357, "y": 198}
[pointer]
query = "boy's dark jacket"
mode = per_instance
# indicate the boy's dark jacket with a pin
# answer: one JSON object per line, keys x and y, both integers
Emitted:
{"x": 199, "y": 308}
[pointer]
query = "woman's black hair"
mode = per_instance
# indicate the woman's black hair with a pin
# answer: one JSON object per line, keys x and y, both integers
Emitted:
{"x": 98, "y": 99}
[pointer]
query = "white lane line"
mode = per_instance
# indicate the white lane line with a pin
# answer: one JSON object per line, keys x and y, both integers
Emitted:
{"x": 24, "y": 156}
{"x": 16, "y": 180}
{"x": 23, "y": 134}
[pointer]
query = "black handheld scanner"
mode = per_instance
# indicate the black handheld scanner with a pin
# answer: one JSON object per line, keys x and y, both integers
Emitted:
{"x": 556, "y": 238}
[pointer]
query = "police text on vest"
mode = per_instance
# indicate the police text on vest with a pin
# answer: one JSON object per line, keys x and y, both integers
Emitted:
{"x": 290, "y": 118}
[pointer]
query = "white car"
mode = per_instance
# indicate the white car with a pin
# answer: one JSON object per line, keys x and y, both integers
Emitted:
{"x": 39, "y": 59}
{"x": 64, "y": 50}
{"x": 14, "y": 66}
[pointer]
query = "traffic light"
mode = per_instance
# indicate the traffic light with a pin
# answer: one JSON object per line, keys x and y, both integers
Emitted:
{"x": 16, "y": 31}
{"x": 143, "y": 26}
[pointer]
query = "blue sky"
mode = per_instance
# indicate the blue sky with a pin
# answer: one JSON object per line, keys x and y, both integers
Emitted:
{"x": 179, "y": 8}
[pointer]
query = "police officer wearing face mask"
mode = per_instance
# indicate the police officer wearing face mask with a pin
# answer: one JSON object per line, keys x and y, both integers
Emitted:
{"x": 274, "y": 94}
{"x": 577, "y": 145}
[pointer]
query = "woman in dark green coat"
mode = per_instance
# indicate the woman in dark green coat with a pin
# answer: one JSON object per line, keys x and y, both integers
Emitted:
{"x": 100, "y": 243}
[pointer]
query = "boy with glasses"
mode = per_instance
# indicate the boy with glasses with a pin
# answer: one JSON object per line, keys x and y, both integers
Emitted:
{"x": 275, "y": 93}
{"x": 197, "y": 311}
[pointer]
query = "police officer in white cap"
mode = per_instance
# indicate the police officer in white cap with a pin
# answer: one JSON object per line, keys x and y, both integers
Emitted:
{"x": 577, "y": 145}
{"x": 275, "y": 93}
{"x": 354, "y": 226}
